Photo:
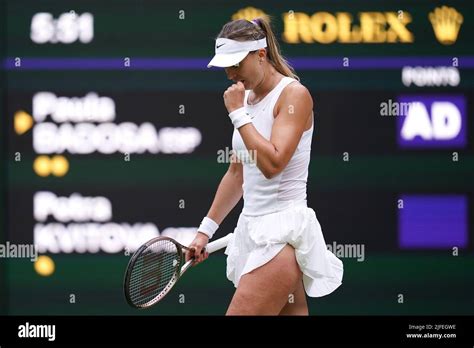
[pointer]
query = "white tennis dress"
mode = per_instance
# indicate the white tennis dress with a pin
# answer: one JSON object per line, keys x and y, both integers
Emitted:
{"x": 275, "y": 211}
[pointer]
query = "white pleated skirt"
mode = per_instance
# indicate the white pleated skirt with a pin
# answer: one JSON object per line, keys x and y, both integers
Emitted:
{"x": 258, "y": 239}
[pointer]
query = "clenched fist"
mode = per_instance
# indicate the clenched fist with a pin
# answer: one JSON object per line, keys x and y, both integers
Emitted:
{"x": 234, "y": 97}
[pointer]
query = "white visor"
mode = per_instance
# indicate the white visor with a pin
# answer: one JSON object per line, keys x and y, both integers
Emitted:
{"x": 230, "y": 52}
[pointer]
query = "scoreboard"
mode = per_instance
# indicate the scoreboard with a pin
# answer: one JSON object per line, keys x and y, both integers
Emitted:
{"x": 113, "y": 130}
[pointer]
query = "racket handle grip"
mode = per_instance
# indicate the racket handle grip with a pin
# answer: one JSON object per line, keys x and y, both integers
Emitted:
{"x": 219, "y": 243}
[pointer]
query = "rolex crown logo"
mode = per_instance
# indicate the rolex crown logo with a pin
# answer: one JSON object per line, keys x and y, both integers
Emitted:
{"x": 446, "y": 22}
{"x": 249, "y": 13}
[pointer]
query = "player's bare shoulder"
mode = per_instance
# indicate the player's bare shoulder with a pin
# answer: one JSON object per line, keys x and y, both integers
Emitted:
{"x": 297, "y": 91}
{"x": 295, "y": 95}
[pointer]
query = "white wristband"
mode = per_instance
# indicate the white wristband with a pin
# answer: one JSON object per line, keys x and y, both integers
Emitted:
{"x": 208, "y": 227}
{"x": 240, "y": 117}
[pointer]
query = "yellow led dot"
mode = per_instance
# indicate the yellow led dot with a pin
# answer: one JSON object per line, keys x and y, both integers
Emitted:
{"x": 44, "y": 266}
{"x": 22, "y": 122}
{"x": 42, "y": 166}
{"x": 59, "y": 165}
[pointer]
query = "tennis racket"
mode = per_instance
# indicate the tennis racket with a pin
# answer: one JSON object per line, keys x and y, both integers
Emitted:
{"x": 156, "y": 267}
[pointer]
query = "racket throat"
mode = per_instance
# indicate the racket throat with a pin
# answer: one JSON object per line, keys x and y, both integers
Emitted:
{"x": 186, "y": 266}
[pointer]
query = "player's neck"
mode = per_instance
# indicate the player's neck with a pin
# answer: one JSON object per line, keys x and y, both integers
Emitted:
{"x": 270, "y": 79}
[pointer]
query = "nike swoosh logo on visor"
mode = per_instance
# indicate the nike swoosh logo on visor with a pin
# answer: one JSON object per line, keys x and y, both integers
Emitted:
{"x": 220, "y": 45}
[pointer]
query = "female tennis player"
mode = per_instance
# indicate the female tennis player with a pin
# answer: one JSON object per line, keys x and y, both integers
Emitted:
{"x": 278, "y": 251}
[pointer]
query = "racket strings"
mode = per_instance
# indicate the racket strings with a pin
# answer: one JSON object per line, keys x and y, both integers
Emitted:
{"x": 154, "y": 272}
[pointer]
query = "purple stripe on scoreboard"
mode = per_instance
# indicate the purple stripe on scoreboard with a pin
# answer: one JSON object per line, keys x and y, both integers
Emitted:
{"x": 432, "y": 221}
{"x": 301, "y": 63}
{"x": 107, "y": 64}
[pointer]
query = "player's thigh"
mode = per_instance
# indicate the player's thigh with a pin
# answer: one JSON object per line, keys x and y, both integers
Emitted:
{"x": 296, "y": 303}
{"x": 265, "y": 290}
